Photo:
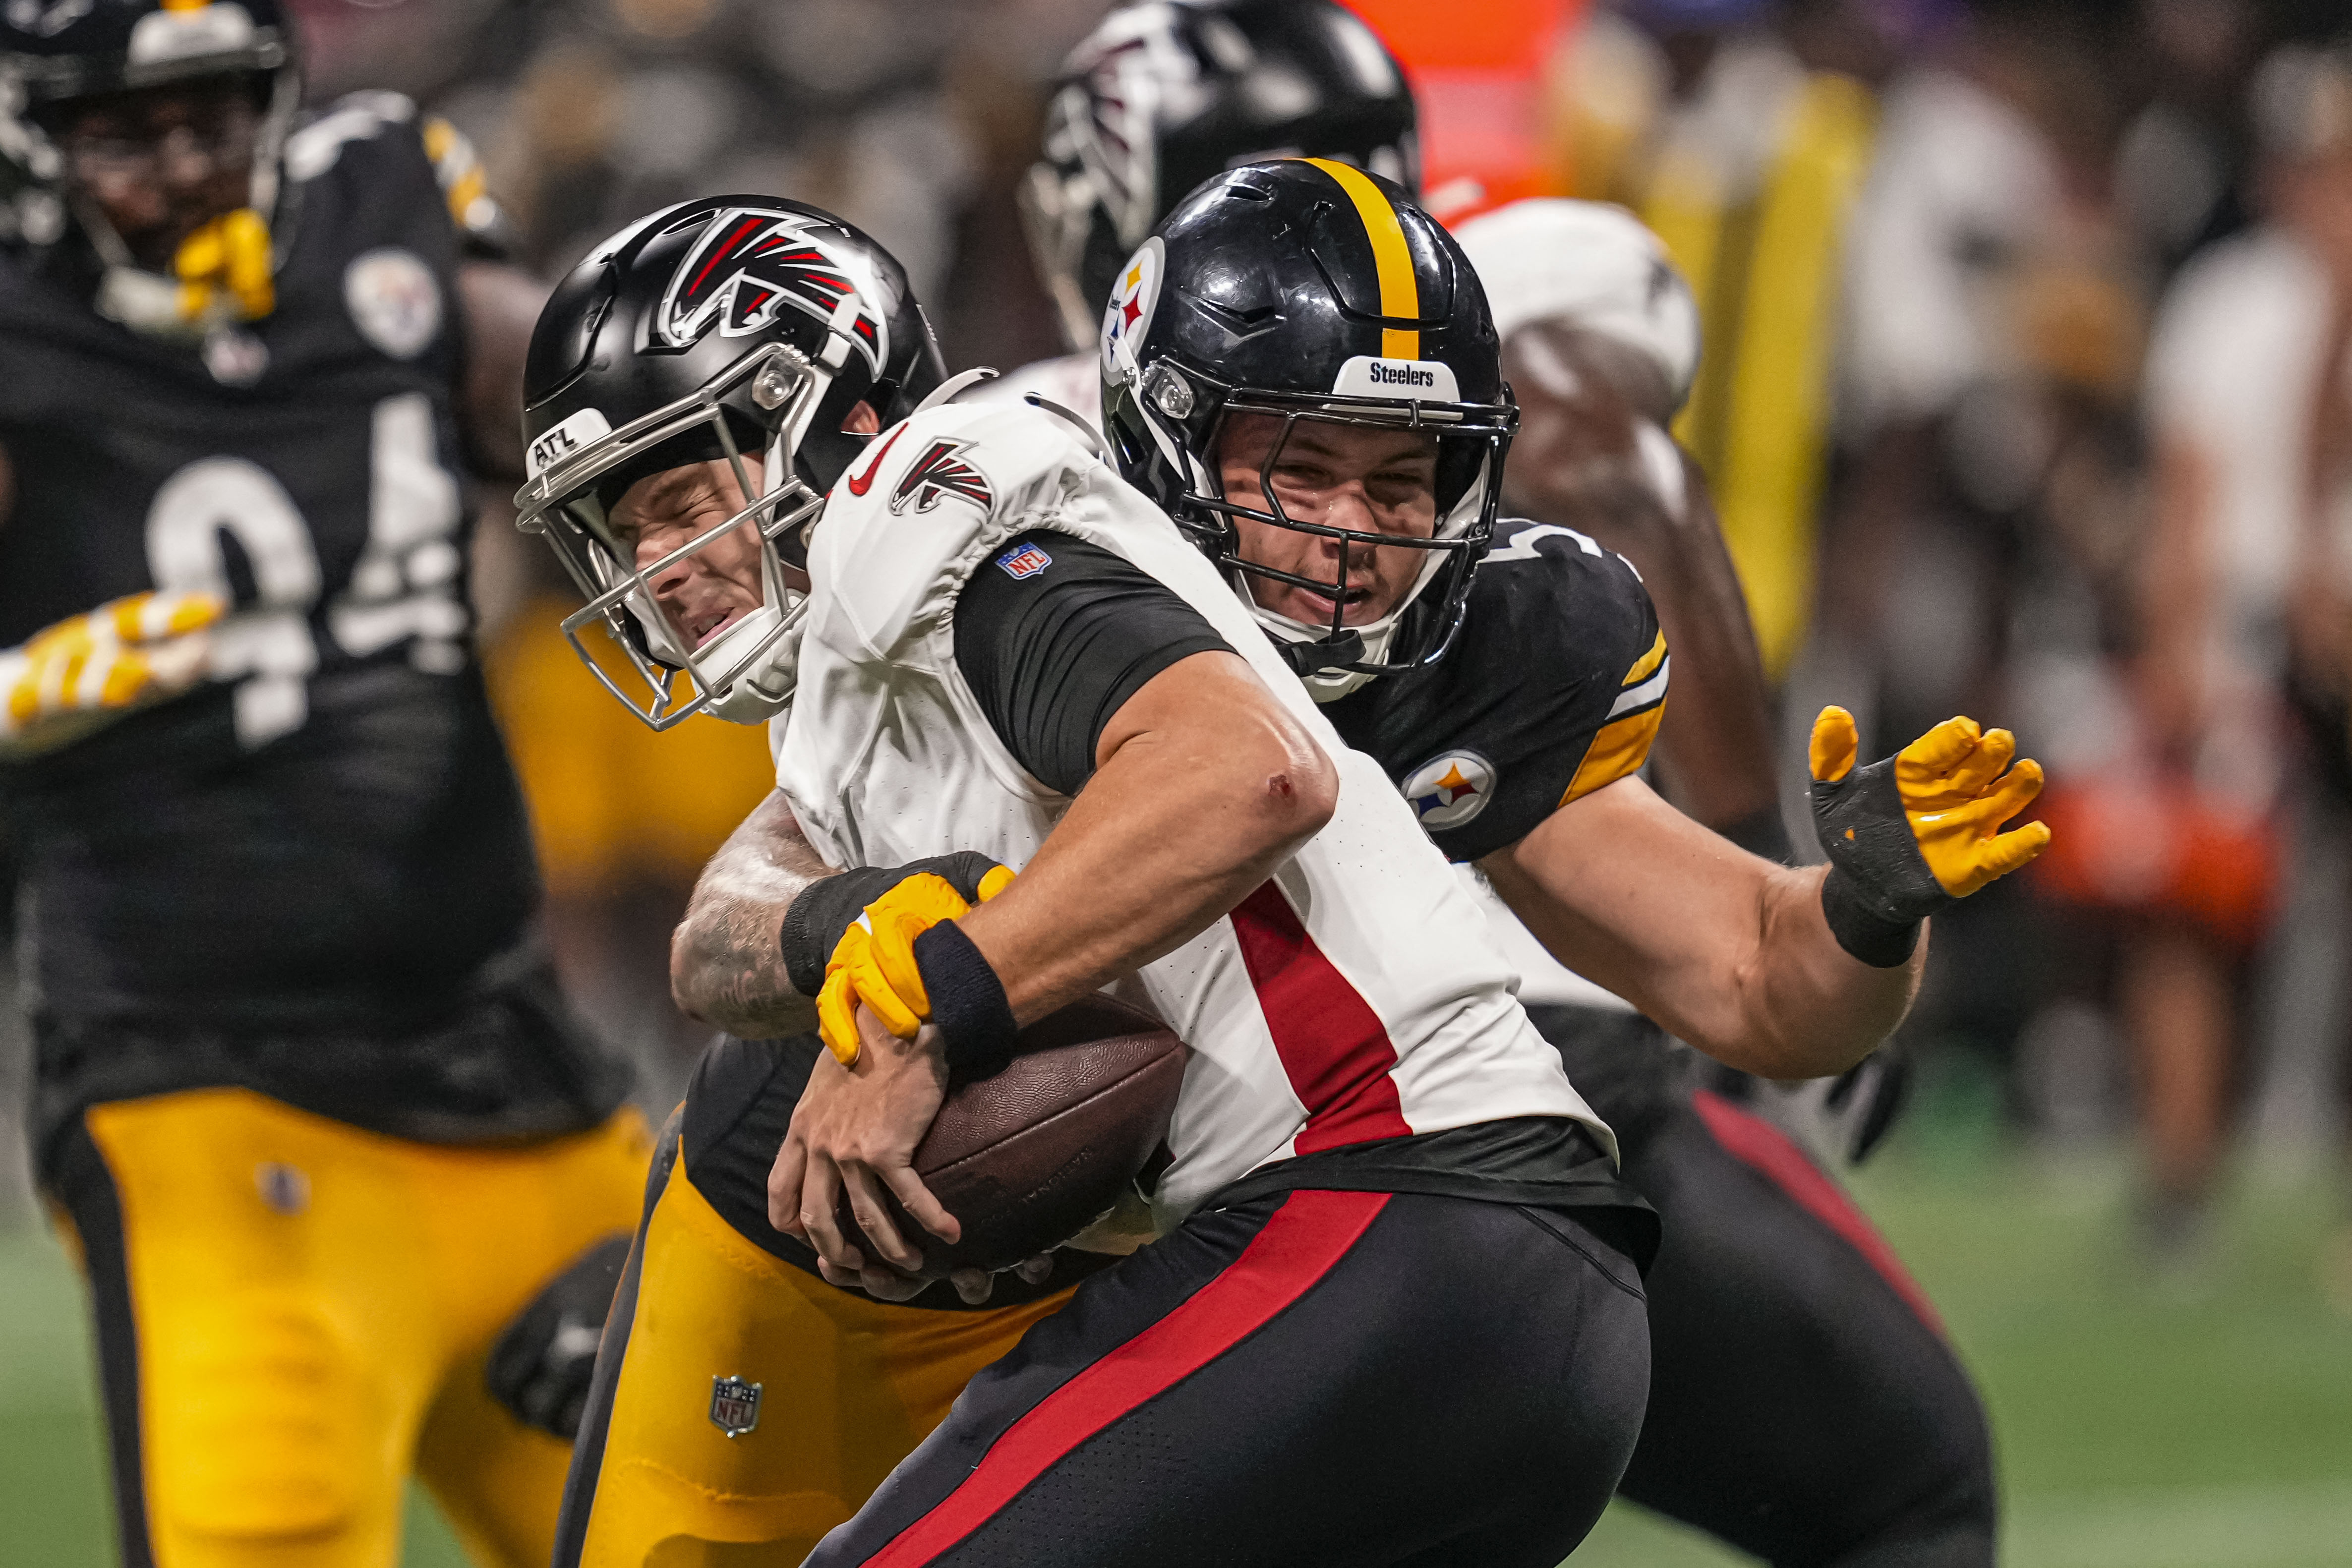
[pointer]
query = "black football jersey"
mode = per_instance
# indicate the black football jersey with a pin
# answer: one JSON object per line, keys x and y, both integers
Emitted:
{"x": 1554, "y": 688}
{"x": 326, "y": 837}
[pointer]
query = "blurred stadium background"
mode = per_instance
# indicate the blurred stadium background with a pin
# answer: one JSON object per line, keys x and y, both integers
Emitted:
{"x": 2025, "y": 395}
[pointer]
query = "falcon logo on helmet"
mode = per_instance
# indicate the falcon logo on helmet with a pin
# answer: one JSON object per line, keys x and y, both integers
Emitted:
{"x": 750, "y": 265}
{"x": 939, "y": 472}
{"x": 1163, "y": 95}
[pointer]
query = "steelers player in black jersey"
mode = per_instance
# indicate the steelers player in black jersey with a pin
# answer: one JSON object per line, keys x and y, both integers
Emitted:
{"x": 1804, "y": 1404}
{"x": 306, "y": 1103}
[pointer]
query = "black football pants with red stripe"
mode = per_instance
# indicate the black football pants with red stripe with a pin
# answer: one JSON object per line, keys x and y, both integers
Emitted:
{"x": 1307, "y": 1378}
{"x": 1804, "y": 1404}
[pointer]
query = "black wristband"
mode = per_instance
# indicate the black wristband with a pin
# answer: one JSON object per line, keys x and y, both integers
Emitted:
{"x": 1861, "y": 931}
{"x": 831, "y": 905}
{"x": 824, "y": 909}
{"x": 968, "y": 1003}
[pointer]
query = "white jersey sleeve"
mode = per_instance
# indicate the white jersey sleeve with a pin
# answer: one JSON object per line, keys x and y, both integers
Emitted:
{"x": 1356, "y": 995}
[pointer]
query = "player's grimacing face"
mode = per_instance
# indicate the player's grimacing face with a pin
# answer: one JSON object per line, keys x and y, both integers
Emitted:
{"x": 1353, "y": 477}
{"x": 162, "y": 162}
{"x": 717, "y": 585}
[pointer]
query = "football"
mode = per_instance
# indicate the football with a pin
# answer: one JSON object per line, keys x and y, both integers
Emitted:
{"x": 1028, "y": 1159}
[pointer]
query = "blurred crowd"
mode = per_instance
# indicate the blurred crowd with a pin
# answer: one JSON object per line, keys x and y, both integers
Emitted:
{"x": 2025, "y": 395}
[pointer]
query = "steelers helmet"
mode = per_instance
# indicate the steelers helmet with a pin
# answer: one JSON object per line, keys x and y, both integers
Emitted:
{"x": 56, "y": 52}
{"x": 1310, "y": 291}
{"x": 1162, "y": 95}
{"x": 745, "y": 329}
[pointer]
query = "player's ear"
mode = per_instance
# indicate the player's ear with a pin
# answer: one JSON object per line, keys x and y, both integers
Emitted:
{"x": 861, "y": 420}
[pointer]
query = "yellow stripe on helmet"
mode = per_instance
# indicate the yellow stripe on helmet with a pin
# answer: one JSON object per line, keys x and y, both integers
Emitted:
{"x": 1400, "y": 288}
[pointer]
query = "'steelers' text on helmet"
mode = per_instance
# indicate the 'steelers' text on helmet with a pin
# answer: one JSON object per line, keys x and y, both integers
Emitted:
{"x": 738, "y": 327}
{"x": 1165, "y": 93}
{"x": 54, "y": 53}
{"x": 1308, "y": 291}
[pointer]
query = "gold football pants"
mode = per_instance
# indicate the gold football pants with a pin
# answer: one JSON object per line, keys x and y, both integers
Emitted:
{"x": 293, "y": 1316}
{"x": 846, "y": 1386}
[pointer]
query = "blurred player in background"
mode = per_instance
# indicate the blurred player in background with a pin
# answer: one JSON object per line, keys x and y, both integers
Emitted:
{"x": 307, "y": 1099}
{"x": 1833, "y": 1424}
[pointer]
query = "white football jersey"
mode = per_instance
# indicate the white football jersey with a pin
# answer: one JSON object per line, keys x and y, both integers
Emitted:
{"x": 1356, "y": 995}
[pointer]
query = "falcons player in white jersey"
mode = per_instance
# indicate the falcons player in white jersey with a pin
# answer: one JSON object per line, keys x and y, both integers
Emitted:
{"x": 1372, "y": 1141}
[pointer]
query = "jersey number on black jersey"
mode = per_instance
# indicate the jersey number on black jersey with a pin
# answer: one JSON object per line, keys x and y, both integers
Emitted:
{"x": 404, "y": 586}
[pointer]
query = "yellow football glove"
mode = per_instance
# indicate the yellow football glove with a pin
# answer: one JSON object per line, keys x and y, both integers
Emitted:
{"x": 74, "y": 676}
{"x": 1911, "y": 834}
{"x": 874, "y": 962}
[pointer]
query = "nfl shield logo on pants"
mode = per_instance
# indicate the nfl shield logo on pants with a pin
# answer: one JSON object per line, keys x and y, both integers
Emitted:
{"x": 734, "y": 1406}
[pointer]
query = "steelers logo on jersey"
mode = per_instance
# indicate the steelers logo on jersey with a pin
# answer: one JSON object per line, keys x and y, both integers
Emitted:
{"x": 1450, "y": 790}
{"x": 1129, "y": 316}
{"x": 395, "y": 301}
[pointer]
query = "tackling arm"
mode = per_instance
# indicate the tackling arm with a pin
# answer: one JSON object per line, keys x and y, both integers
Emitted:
{"x": 1725, "y": 950}
{"x": 726, "y": 958}
{"x": 1784, "y": 973}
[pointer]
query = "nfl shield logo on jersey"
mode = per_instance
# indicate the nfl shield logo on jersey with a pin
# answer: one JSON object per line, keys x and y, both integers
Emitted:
{"x": 1451, "y": 790}
{"x": 1025, "y": 562}
{"x": 734, "y": 1406}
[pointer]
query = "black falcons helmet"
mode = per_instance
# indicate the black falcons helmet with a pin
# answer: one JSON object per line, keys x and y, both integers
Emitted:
{"x": 1310, "y": 291}
{"x": 741, "y": 328}
{"x": 54, "y": 52}
{"x": 1165, "y": 93}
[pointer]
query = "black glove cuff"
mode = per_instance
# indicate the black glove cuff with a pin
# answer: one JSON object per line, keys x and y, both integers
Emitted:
{"x": 968, "y": 1003}
{"x": 1871, "y": 936}
{"x": 831, "y": 905}
{"x": 824, "y": 909}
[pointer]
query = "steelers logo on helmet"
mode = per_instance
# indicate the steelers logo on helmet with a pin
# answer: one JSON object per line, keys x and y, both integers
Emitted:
{"x": 1451, "y": 789}
{"x": 1127, "y": 320}
{"x": 1306, "y": 305}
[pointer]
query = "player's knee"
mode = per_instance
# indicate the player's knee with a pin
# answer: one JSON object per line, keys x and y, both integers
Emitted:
{"x": 262, "y": 1430}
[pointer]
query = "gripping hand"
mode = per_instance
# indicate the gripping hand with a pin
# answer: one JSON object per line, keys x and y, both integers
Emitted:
{"x": 74, "y": 676}
{"x": 1911, "y": 834}
{"x": 874, "y": 962}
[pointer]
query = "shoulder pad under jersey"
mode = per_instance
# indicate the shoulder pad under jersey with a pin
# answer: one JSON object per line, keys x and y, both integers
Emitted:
{"x": 909, "y": 521}
{"x": 1554, "y": 689}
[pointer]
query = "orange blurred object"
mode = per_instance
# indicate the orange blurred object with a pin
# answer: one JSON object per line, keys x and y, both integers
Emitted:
{"x": 2158, "y": 847}
{"x": 1481, "y": 73}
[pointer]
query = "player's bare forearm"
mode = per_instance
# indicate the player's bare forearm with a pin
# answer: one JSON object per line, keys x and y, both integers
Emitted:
{"x": 1205, "y": 783}
{"x": 1723, "y": 949}
{"x": 502, "y": 308}
{"x": 1715, "y": 743}
{"x": 726, "y": 958}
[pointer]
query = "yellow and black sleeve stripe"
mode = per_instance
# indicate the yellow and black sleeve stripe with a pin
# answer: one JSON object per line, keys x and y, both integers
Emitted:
{"x": 1622, "y": 742}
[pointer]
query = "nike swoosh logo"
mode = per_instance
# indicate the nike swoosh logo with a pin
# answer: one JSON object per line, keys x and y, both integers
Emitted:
{"x": 861, "y": 483}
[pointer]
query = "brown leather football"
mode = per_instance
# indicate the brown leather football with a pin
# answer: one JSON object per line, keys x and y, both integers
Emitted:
{"x": 1029, "y": 1157}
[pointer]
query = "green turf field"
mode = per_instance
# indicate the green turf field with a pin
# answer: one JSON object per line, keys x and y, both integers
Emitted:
{"x": 2197, "y": 1425}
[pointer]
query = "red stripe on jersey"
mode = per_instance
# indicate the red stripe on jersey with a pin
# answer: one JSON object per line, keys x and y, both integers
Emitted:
{"x": 1300, "y": 1244}
{"x": 1333, "y": 1046}
{"x": 1763, "y": 1147}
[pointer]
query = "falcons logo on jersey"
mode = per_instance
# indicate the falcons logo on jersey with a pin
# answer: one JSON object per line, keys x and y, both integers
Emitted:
{"x": 939, "y": 472}
{"x": 748, "y": 265}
